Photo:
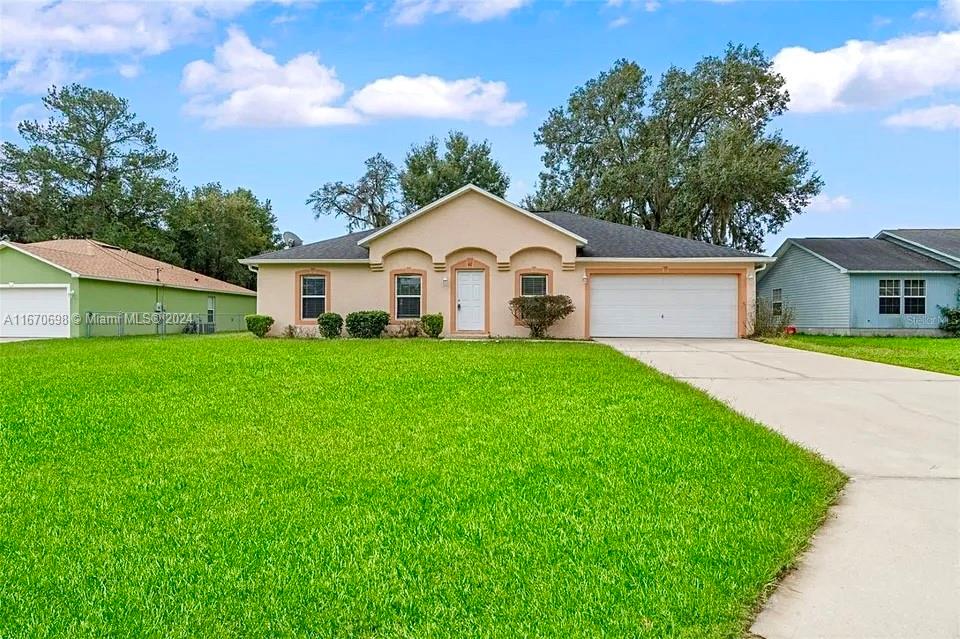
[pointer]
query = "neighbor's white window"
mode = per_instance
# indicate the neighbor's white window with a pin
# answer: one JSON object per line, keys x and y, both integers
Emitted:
{"x": 889, "y": 297}
{"x": 313, "y": 296}
{"x": 409, "y": 289}
{"x": 533, "y": 285}
{"x": 778, "y": 301}
{"x": 915, "y": 297}
{"x": 211, "y": 309}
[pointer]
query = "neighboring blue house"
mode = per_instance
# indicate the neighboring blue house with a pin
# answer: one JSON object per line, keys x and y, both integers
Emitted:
{"x": 893, "y": 283}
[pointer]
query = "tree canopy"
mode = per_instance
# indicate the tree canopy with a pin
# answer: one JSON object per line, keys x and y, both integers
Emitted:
{"x": 91, "y": 170}
{"x": 212, "y": 228}
{"x": 695, "y": 158}
{"x": 385, "y": 193}
{"x": 428, "y": 175}
{"x": 94, "y": 170}
{"x": 370, "y": 202}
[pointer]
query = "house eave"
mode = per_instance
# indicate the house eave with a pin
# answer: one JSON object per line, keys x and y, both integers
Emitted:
{"x": 22, "y": 251}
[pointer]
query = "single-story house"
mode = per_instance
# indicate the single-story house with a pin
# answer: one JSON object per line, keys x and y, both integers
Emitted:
{"x": 467, "y": 254}
{"x": 892, "y": 283}
{"x": 77, "y": 288}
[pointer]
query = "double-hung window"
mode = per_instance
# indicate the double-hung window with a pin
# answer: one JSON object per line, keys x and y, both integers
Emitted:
{"x": 533, "y": 285}
{"x": 777, "y": 302}
{"x": 313, "y": 296}
{"x": 211, "y": 309}
{"x": 409, "y": 296}
{"x": 914, "y": 297}
{"x": 889, "y": 297}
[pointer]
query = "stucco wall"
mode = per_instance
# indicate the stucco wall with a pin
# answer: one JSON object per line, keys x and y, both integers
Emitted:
{"x": 356, "y": 287}
{"x": 473, "y": 221}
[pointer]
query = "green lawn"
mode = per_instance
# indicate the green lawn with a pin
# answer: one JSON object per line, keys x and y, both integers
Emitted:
{"x": 929, "y": 353}
{"x": 212, "y": 486}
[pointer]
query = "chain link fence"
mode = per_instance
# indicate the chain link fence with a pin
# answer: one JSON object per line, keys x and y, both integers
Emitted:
{"x": 118, "y": 323}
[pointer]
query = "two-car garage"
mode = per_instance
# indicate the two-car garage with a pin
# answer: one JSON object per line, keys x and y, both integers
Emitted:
{"x": 680, "y": 305}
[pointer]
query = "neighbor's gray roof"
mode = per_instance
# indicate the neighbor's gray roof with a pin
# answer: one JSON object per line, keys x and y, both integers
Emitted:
{"x": 943, "y": 240}
{"x": 604, "y": 239}
{"x": 868, "y": 254}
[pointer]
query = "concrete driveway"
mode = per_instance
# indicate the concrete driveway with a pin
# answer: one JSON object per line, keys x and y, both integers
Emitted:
{"x": 887, "y": 561}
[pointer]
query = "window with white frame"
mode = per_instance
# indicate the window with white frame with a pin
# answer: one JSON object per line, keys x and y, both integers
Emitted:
{"x": 533, "y": 284}
{"x": 313, "y": 296}
{"x": 889, "y": 297}
{"x": 777, "y": 301}
{"x": 211, "y": 309}
{"x": 914, "y": 297}
{"x": 409, "y": 296}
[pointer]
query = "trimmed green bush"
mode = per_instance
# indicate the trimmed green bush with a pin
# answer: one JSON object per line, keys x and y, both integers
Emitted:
{"x": 259, "y": 325}
{"x": 367, "y": 324}
{"x": 541, "y": 312}
{"x": 432, "y": 324}
{"x": 951, "y": 318}
{"x": 330, "y": 325}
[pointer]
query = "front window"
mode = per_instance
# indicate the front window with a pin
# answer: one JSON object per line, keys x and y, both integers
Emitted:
{"x": 914, "y": 297}
{"x": 211, "y": 309}
{"x": 313, "y": 296}
{"x": 533, "y": 285}
{"x": 778, "y": 302}
{"x": 889, "y": 297}
{"x": 409, "y": 289}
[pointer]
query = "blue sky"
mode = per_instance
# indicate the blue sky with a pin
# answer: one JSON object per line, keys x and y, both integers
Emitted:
{"x": 280, "y": 97}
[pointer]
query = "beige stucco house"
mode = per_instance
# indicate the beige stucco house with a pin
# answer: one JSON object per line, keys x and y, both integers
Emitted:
{"x": 467, "y": 254}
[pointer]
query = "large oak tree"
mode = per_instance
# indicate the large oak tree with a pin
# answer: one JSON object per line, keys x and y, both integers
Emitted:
{"x": 695, "y": 158}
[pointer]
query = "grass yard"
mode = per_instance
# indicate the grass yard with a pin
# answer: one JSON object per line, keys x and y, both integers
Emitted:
{"x": 936, "y": 354}
{"x": 211, "y": 486}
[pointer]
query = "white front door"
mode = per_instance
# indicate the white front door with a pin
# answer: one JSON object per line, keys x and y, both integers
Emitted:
{"x": 470, "y": 296}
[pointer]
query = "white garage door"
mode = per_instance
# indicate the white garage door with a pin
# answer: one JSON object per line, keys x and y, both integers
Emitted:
{"x": 34, "y": 311}
{"x": 663, "y": 305}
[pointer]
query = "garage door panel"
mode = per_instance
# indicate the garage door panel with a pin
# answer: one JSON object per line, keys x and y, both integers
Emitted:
{"x": 663, "y": 305}
{"x": 34, "y": 311}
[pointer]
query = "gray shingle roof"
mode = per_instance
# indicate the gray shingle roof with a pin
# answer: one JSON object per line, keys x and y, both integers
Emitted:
{"x": 343, "y": 247}
{"x": 604, "y": 239}
{"x": 943, "y": 240}
{"x": 868, "y": 254}
{"x": 609, "y": 239}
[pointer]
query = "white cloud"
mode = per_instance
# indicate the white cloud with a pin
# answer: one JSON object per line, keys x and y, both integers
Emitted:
{"x": 130, "y": 70}
{"x": 616, "y": 23}
{"x": 416, "y": 11}
{"x": 427, "y": 96}
{"x": 950, "y": 9}
{"x": 46, "y": 36}
{"x": 246, "y": 86}
{"x": 823, "y": 203}
{"x": 938, "y": 118}
{"x": 28, "y": 111}
{"x": 870, "y": 74}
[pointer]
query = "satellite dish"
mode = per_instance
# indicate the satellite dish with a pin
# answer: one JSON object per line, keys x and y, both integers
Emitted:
{"x": 291, "y": 239}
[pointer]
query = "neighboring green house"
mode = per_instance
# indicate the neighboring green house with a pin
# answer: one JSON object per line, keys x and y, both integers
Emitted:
{"x": 83, "y": 288}
{"x": 891, "y": 284}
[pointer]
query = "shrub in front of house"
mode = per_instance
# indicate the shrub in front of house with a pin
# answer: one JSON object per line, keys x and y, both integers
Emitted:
{"x": 367, "y": 324}
{"x": 259, "y": 325}
{"x": 408, "y": 328}
{"x": 330, "y": 325}
{"x": 769, "y": 319}
{"x": 541, "y": 312}
{"x": 432, "y": 324}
